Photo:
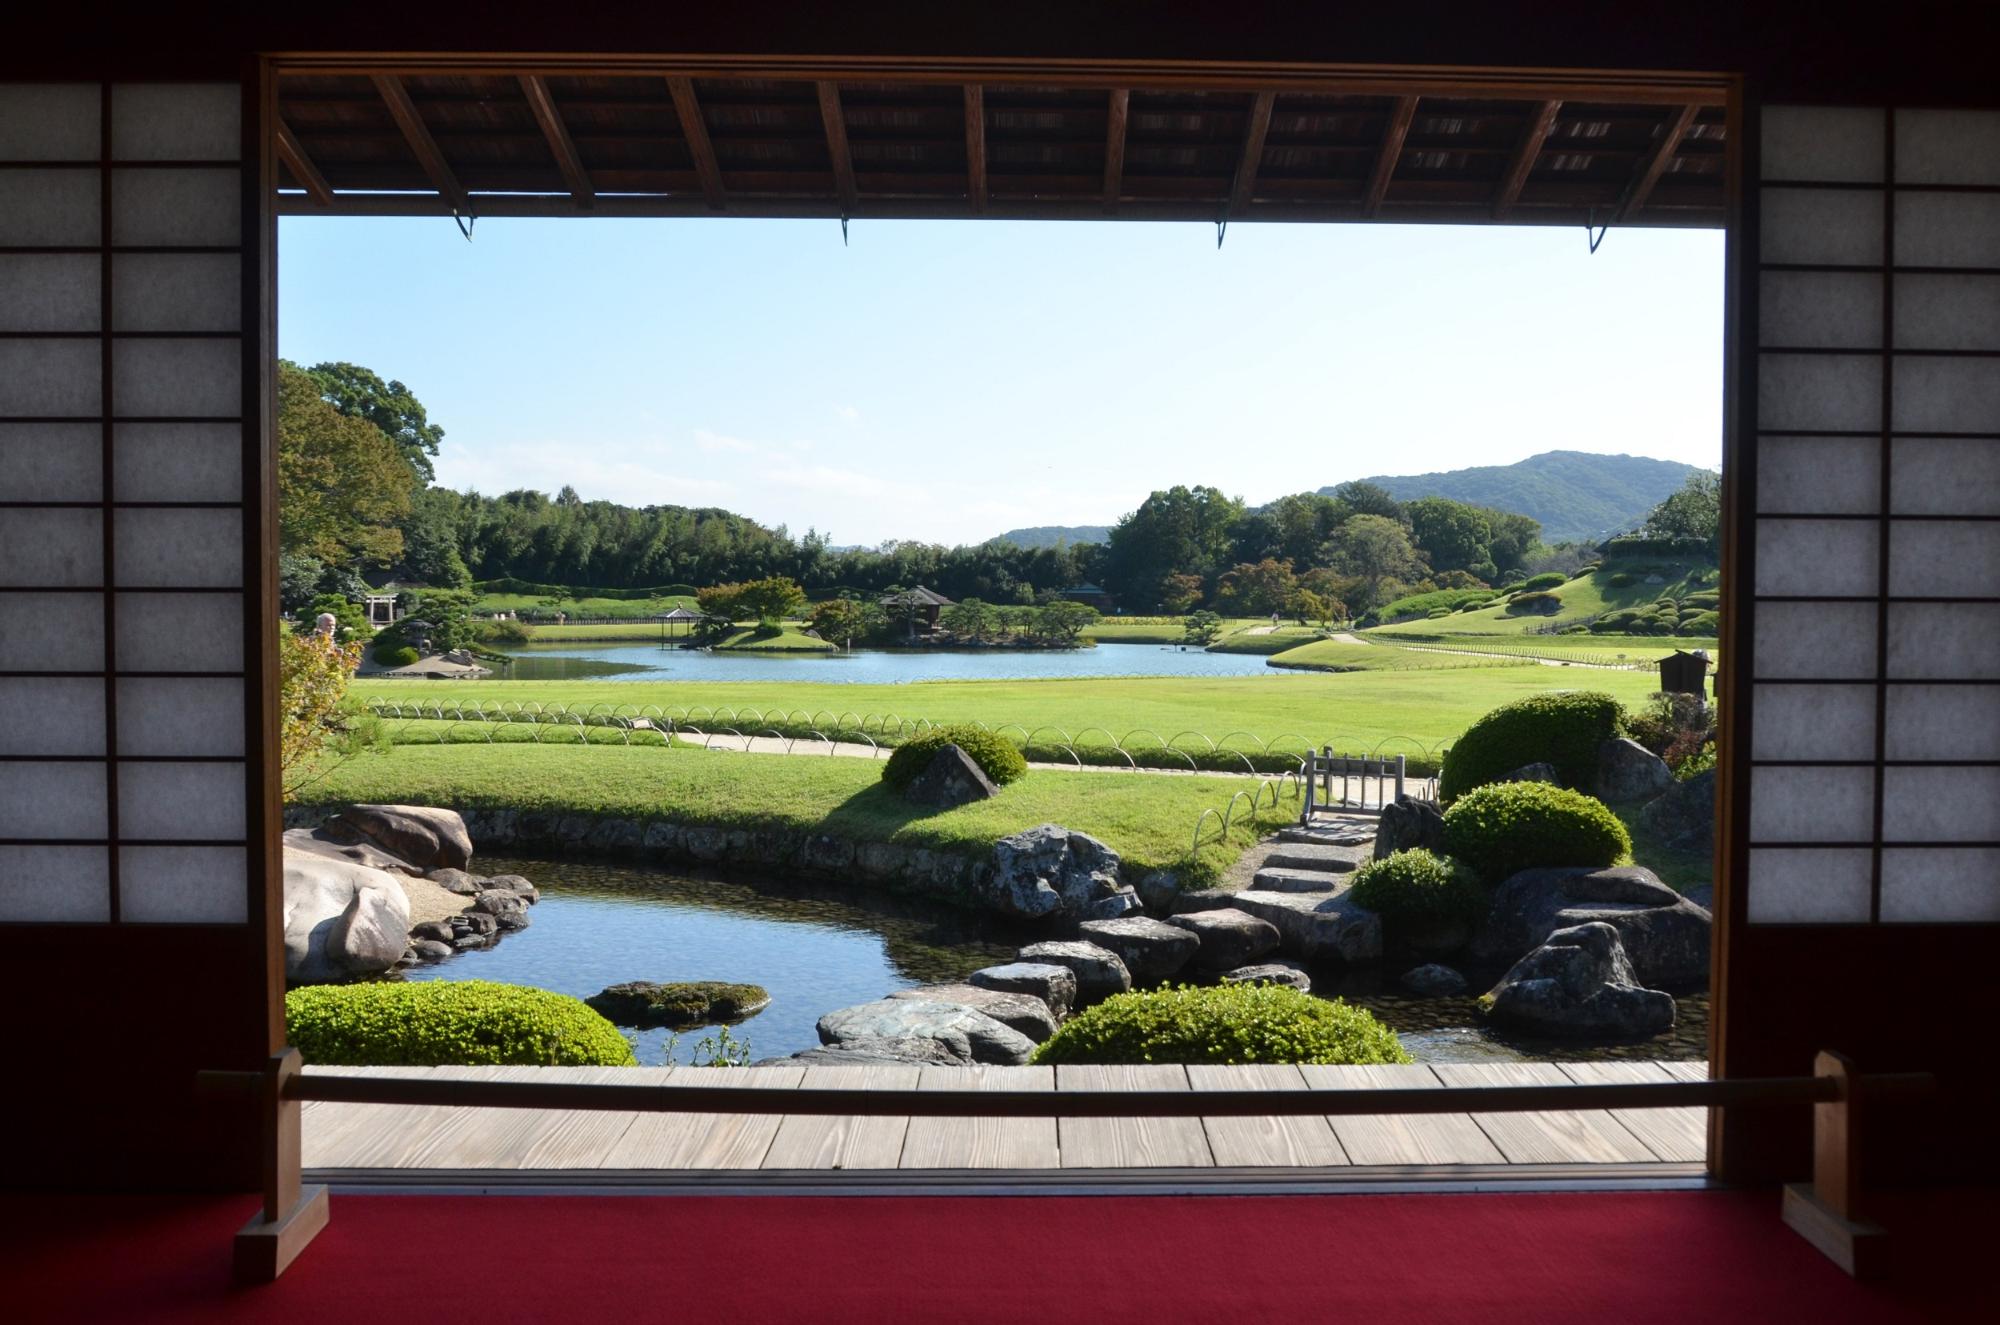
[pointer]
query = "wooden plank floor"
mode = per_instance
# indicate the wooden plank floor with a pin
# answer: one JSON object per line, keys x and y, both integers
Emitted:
{"x": 411, "y": 1140}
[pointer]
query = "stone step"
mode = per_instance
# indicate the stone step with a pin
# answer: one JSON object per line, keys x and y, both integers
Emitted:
{"x": 1327, "y": 837}
{"x": 1296, "y": 881}
{"x": 1313, "y": 856}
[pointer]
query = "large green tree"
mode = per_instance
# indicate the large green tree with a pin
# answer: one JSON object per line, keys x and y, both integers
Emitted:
{"x": 1376, "y": 551}
{"x": 1180, "y": 530}
{"x": 343, "y": 487}
{"x": 1450, "y": 534}
{"x": 361, "y": 393}
{"x": 1694, "y": 511}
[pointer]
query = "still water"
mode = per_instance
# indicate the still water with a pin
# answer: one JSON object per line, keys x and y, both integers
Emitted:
{"x": 817, "y": 949}
{"x": 650, "y": 662}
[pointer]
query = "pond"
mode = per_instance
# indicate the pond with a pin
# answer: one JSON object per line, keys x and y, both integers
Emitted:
{"x": 650, "y": 662}
{"x": 817, "y": 949}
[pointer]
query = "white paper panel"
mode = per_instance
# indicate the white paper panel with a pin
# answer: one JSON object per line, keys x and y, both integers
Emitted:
{"x": 176, "y": 292}
{"x": 159, "y": 549}
{"x": 1941, "y": 804}
{"x": 55, "y": 885}
{"x": 1818, "y": 558}
{"x": 181, "y": 801}
{"x": 52, "y": 632}
{"x": 52, "y": 549}
{"x": 50, "y": 122}
{"x": 1819, "y": 475}
{"x": 1946, "y": 395}
{"x": 1815, "y": 641}
{"x": 176, "y": 207}
{"x": 1944, "y": 558}
{"x": 180, "y": 632}
{"x": 1932, "y": 641}
{"x": 1948, "y": 147}
{"x": 173, "y": 378}
{"x": 1840, "y": 227}
{"x": 1841, "y": 144}
{"x": 1944, "y": 476}
{"x": 1810, "y": 886}
{"x": 1960, "y": 886}
{"x": 1812, "y": 805}
{"x": 1804, "y": 392}
{"x": 51, "y": 462}
{"x": 1941, "y": 722}
{"x": 51, "y": 715}
{"x": 178, "y": 462}
{"x": 42, "y": 378}
{"x": 197, "y": 716}
{"x": 50, "y": 292}
{"x": 184, "y": 885}
{"x": 1948, "y": 230}
{"x": 49, "y": 208}
{"x": 1820, "y": 310}
{"x": 1813, "y": 722}
{"x": 64, "y": 800}
{"x": 1947, "y": 312}
{"x": 177, "y": 122}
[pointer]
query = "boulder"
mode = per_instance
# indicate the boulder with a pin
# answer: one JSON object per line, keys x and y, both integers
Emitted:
{"x": 1683, "y": 817}
{"x": 1315, "y": 927}
{"x": 436, "y": 931}
{"x": 1276, "y": 973}
{"x": 681, "y": 1004}
{"x": 315, "y": 842}
{"x": 967, "y": 1034}
{"x": 1099, "y": 971}
{"x": 1024, "y": 1012}
{"x": 870, "y": 1049}
{"x": 1535, "y": 772}
{"x": 430, "y": 950}
{"x": 1407, "y": 824}
{"x": 1433, "y": 981}
{"x": 1628, "y": 771}
{"x": 508, "y": 911}
{"x": 1665, "y": 935}
{"x": 427, "y": 838}
{"x": 458, "y": 881}
{"x": 1052, "y": 984}
{"x": 1578, "y": 985}
{"x": 1279, "y": 879}
{"x": 1229, "y": 938}
{"x": 950, "y": 778}
{"x": 1048, "y": 870}
{"x": 341, "y": 920}
{"x": 1158, "y": 889}
{"x": 1112, "y": 906}
{"x": 516, "y": 885}
{"x": 1152, "y": 950}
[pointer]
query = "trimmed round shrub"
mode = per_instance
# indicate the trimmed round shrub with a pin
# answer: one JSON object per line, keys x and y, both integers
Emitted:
{"x": 1559, "y": 729}
{"x": 1502, "y": 829}
{"x": 1534, "y": 603}
{"x": 1254, "y": 1023}
{"x": 1418, "y": 890}
{"x": 995, "y": 754}
{"x": 1700, "y": 623}
{"x": 400, "y": 655}
{"x": 434, "y": 1023}
{"x": 1546, "y": 580}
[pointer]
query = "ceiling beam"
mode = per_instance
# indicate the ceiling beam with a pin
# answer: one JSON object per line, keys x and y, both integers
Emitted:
{"x": 975, "y": 146}
{"x": 1656, "y": 164}
{"x": 1114, "y": 147}
{"x": 303, "y": 170}
{"x": 836, "y": 145}
{"x": 1537, "y": 133}
{"x": 404, "y": 112}
{"x": 1245, "y": 184}
{"x": 695, "y": 129}
{"x": 536, "y": 89}
{"x": 1400, "y": 118}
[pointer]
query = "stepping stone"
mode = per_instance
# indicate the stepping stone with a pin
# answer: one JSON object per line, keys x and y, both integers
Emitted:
{"x": 1277, "y": 973}
{"x": 1296, "y": 881}
{"x": 1311, "y": 856}
{"x": 1100, "y": 972}
{"x": 1326, "y": 837}
{"x": 966, "y": 1034}
{"x": 1024, "y": 1012}
{"x": 1151, "y": 949}
{"x": 1054, "y": 985}
{"x": 1317, "y": 927}
{"x": 1229, "y": 938}
{"x": 1203, "y": 899}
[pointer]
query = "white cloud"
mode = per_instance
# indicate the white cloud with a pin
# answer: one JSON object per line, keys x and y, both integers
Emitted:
{"x": 848, "y": 412}
{"x": 715, "y": 441}
{"x": 832, "y": 481}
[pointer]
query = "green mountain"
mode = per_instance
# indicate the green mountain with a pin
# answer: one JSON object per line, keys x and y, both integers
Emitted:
{"x": 1049, "y": 535}
{"x": 1574, "y": 494}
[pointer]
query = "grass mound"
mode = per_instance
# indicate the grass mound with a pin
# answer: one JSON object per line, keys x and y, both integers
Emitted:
{"x": 434, "y": 1023}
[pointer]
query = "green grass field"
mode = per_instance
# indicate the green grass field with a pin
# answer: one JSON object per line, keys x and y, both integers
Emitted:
{"x": 1339, "y": 656}
{"x": 1154, "y": 629}
{"x": 1598, "y": 650}
{"x": 784, "y": 639}
{"x": 1271, "y": 642}
{"x": 622, "y": 609}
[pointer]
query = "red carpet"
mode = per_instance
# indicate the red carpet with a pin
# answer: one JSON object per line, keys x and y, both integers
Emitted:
{"x": 1610, "y": 1259}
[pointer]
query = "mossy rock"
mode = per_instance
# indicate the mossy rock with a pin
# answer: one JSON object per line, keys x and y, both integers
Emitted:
{"x": 679, "y": 1005}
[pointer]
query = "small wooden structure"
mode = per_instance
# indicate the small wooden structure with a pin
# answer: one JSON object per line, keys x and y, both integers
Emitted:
{"x": 679, "y": 616}
{"x": 381, "y": 609}
{"x": 1684, "y": 673}
{"x": 918, "y": 605}
{"x": 1091, "y": 595}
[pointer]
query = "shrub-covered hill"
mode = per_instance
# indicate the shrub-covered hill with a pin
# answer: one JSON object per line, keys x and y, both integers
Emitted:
{"x": 1575, "y": 495}
{"x": 1623, "y": 597}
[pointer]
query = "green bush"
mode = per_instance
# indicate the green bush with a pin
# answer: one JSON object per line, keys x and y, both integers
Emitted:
{"x": 1560, "y": 729}
{"x": 1701, "y": 623}
{"x": 395, "y": 655}
{"x": 433, "y": 1023}
{"x": 1546, "y": 580}
{"x": 1620, "y": 580}
{"x": 1697, "y": 763}
{"x": 1506, "y": 827}
{"x": 1416, "y": 890}
{"x": 995, "y": 754}
{"x": 1260, "y": 1023}
{"x": 1534, "y": 602}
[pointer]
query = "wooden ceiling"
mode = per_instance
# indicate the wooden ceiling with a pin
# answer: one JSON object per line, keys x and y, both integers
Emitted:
{"x": 615, "y": 142}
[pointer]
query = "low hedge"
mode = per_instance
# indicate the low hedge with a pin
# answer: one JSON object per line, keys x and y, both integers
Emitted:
{"x": 1417, "y": 890}
{"x": 1546, "y": 580}
{"x": 1252, "y": 1023}
{"x": 434, "y": 1023}
{"x": 997, "y": 755}
{"x": 1559, "y": 729}
{"x": 398, "y": 655}
{"x": 1534, "y": 602}
{"x": 1502, "y": 829}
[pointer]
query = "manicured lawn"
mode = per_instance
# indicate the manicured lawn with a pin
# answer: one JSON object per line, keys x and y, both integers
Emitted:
{"x": 622, "y": 608}
{"x": 1153, "y": 630}
{"x": 1340, "y": 656}
{"x": 1272, "y": 641}
{"x": 605, "y": 632}
{"x": 782, "y": 639}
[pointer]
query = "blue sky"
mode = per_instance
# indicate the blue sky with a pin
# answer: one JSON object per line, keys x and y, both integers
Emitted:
{"x": 946, "y": 380}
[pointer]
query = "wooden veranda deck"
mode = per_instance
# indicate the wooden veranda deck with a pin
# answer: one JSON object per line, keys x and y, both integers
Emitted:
{"x": 396, "y": 1142}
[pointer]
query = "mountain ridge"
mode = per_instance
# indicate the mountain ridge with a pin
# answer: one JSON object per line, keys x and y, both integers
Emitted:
{"x": 1574, "y": 494}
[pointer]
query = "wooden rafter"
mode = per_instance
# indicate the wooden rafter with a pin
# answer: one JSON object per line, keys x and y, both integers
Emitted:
{"x": 1656, "y": 164}
{"x": 1537, "y": 133}
{"x": 1114, "y": 147}
{"x": 303, "y": 170}
{"x": 836, "y": 145}
{"x": 975, "y": 146}
{"x": 695, "y": 129}
{"x": 536, "y": 89}
{"x": 404, "y": 112}
{"x": 1391, "y": 152}
{"x": 1245, "y": 183}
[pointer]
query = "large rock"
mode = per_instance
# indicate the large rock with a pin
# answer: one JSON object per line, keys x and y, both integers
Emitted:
{"x": 1290, "y": 974}
{"x": 1052, "y": 984}
{"x": 1228, "y": 938}
{"x": 1578, "y": 985}
{"x": 1433, "y": 981}
{"x": 1539, "y": 771}
{"x": 1684, "y": 816}
{"x": 680, "y": 1004}
{"x": 1048, "y": 870}
{"x": 1099, "y": 972}
{"x": 341, "y": 920}
{"x": 967, "y": 1034}
{"x": 1024, "y": 1012}
{"x": 462, "y": 882}
{"x": 865, "y": 1049}
{"x": 1407, "y": 824}
{"x": 315, "y": 842}
{"x": 1152, "y": 950}
{"x": 951, "y": 778}
{"x": 1665, "y": 935}
{"x": 429, "y": 839}
{"x": 1628, "y": 771}
{"x": 1314, "y": 927}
